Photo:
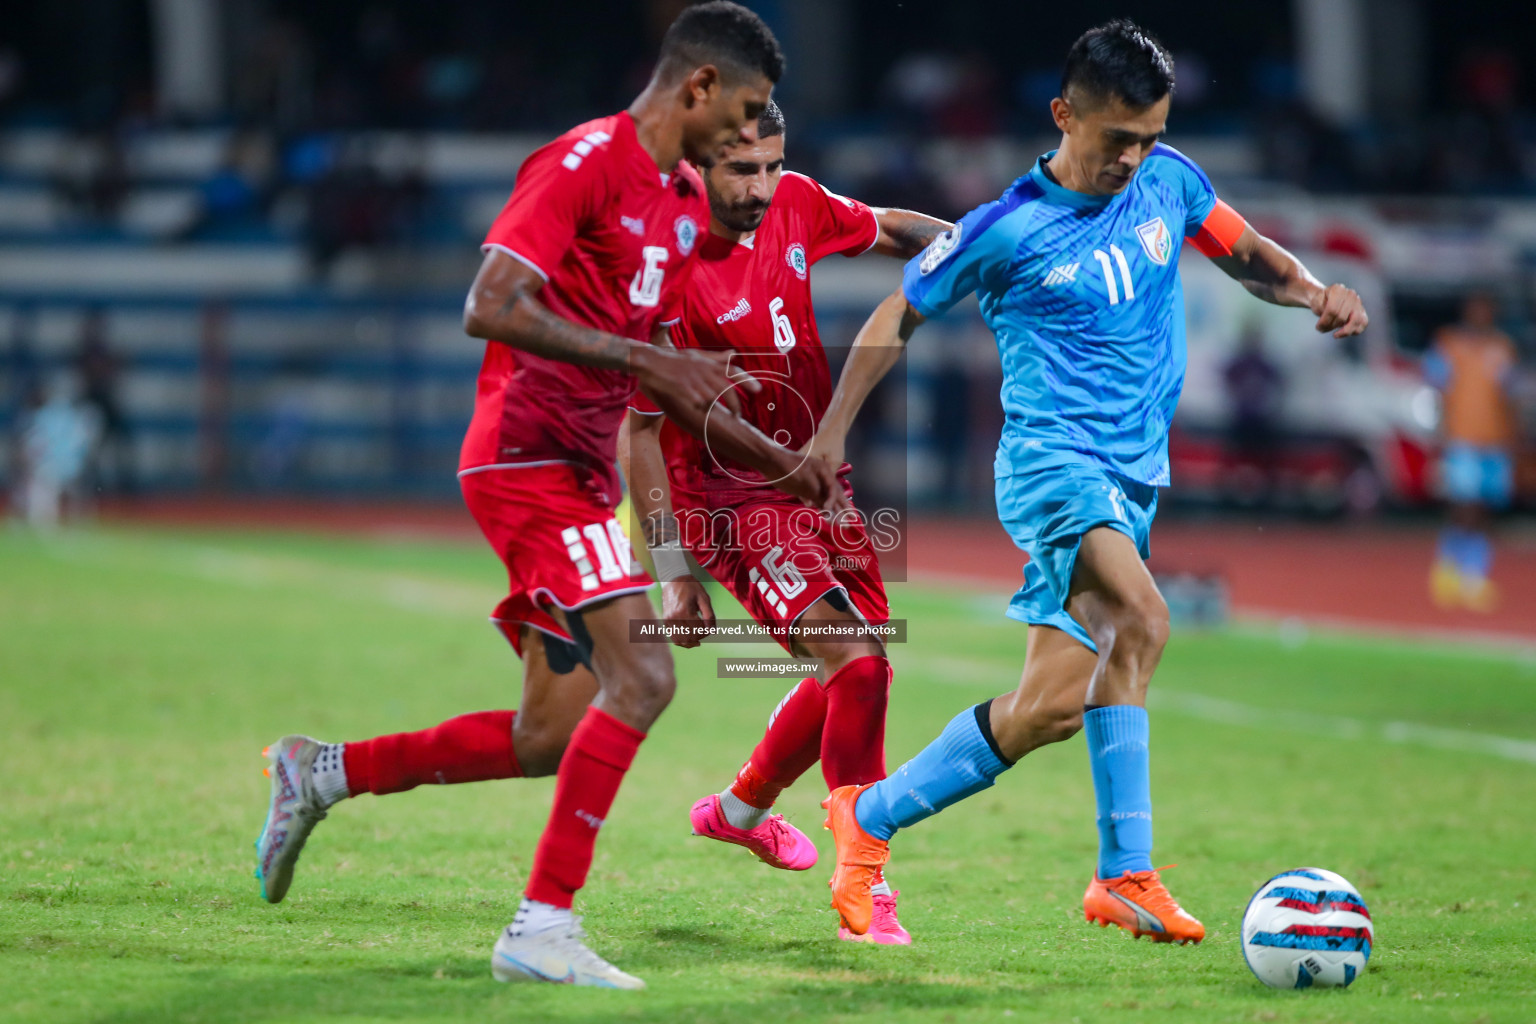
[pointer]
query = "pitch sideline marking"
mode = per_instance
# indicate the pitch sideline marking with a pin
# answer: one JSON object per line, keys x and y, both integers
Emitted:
{"x": 1228, "y": 712}
{"x": 970, "y": 671}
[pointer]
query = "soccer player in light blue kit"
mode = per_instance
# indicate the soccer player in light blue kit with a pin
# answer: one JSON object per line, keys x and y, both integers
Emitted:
{"x": 1076, "y": 269}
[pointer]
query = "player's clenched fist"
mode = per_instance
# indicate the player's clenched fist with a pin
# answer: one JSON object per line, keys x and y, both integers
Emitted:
{"x": 1339, "y": 309}
{"x": 686, "y": 607}
{"x": 815, "y": 482}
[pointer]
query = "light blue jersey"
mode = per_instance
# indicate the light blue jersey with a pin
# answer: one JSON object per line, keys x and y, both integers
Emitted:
{"x": 1083, "y": 295}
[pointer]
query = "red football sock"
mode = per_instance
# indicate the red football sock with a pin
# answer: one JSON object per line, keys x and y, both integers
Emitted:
{"x": 790, "y": 746}
{"x": 469, "y": 748}
{"x": 853, "y": 741}
{"x": 600, "y": 752}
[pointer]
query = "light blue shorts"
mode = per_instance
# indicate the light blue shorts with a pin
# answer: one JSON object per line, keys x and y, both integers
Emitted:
{"x": 1047, "y": 511}
{"x": 1470, "y": 475}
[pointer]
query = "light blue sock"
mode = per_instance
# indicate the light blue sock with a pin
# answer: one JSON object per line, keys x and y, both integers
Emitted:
{"x": 954, "y": 766}
{"x": 1122, "y": 787}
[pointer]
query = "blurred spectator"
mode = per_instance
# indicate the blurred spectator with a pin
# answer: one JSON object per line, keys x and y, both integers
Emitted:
{"x": 30, "y": 397}
{"x": 92, "y": 176}
{"x": 920, "y": 84}
{"x": 353, "y": 205}
{"x": 1484, "y": 142}
{"x": 274, "y": 78}
{"x": 100, "y": 371}
{"x": 12, "y": 74}
{"x": 58, "y": 439}
{"x": 944, "y": 94}
{"x": 1300, "y": 148}
{"x": 971, "y": 111}
{"x": 1255, "y": 389}
{"x": 1473, "y": 364}
{"x": 235, "y": 197}
{"x": 277, "y": 458}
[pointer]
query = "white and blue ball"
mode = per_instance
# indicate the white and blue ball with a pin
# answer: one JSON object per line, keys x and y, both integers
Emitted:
{"x": 1307, "y": 928}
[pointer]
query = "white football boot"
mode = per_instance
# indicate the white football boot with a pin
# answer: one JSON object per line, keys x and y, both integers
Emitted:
{"x": 555, "y": 955}
{"x": 294, "y": 811}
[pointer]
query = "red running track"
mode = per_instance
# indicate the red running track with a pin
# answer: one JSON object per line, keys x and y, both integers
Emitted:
{"x": 1373, "y": 575}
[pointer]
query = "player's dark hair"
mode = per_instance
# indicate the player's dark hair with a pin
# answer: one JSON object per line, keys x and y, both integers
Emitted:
{"x": 770, "y": 122}
{"x": 1119, "y": 59}
{"x": 724, "y": 34}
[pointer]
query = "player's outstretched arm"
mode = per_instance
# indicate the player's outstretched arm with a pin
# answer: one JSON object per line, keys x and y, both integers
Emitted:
{"x": 503, "y": 306}
{"x": 874, "y": 352}
{"x": 684, "y": 601}
{"x": 1274, "y": 275}
{"x": 905, "y": 233}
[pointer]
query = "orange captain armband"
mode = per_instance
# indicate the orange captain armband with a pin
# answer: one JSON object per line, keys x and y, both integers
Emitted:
{"x": 1219, "y": 232}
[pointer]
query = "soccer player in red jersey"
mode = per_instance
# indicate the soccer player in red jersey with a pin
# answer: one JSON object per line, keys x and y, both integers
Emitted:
{"x": 750, "y": 296}
{"x": 583, "y": 270}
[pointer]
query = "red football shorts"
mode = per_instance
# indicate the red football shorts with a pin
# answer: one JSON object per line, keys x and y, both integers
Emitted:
{"x": 558, "y": 539}
{"x": 778, "y": 558}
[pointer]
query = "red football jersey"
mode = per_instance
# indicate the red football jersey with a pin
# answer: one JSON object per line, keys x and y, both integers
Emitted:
{"x": 753, "y": 297}
{"x": 614, "y": 240}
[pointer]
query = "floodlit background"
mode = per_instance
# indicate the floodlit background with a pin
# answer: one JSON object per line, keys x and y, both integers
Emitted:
{"x": 242, "y": 230}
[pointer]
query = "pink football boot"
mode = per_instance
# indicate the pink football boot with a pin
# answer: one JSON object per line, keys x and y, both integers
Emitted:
{"x": 775, "y": 842}
{"x": 883, "y": 926}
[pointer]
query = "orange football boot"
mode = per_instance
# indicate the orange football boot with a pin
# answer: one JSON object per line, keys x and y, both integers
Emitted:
{"x": 860, "y": 856}
{"x": 1139, "y": 902}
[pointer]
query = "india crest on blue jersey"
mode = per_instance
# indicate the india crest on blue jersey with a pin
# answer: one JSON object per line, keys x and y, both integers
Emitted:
{"x": 1155, "y": 240}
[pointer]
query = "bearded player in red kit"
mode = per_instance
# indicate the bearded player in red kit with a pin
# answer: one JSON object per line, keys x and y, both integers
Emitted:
{"x": 815, "y": 583}
{"x": 582, "y": 272}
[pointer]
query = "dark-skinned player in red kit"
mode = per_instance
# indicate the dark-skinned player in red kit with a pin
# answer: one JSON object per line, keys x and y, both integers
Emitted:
{"x": 582, "y": 272}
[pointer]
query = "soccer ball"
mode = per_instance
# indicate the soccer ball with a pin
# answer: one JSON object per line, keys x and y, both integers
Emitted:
{"x": 1307, "y": 927}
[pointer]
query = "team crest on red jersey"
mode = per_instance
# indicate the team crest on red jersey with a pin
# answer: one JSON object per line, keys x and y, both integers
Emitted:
{"x": 795, "y": 257}
{"x": 687, "y": 234}
{"x": 1155, "y": 240}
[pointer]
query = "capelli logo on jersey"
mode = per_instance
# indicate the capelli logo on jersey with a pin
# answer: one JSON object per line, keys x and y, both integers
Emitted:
{"x": 634, "y": 225}
{"x": 736, "y": 312}
{"x": 795, "y": 257}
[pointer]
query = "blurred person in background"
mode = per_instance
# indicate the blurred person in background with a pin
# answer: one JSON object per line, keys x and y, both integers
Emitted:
{"x": 58, "y": 440}
{"x": 235, "y": 198}
{"x": 100, "y": 370}
{"x": 1255, "y": 389}
{"x": 1472, "y": 363}
{"x": 30, "y": 397}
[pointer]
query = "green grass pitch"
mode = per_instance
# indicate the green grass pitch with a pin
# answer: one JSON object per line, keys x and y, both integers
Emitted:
{"x": 141, "y": 673}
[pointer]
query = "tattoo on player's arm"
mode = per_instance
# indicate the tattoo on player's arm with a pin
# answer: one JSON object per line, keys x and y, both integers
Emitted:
{"x": 911, "y": 231}
{"x": 547, "y": 334}
{"x": 659, "y": 528}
